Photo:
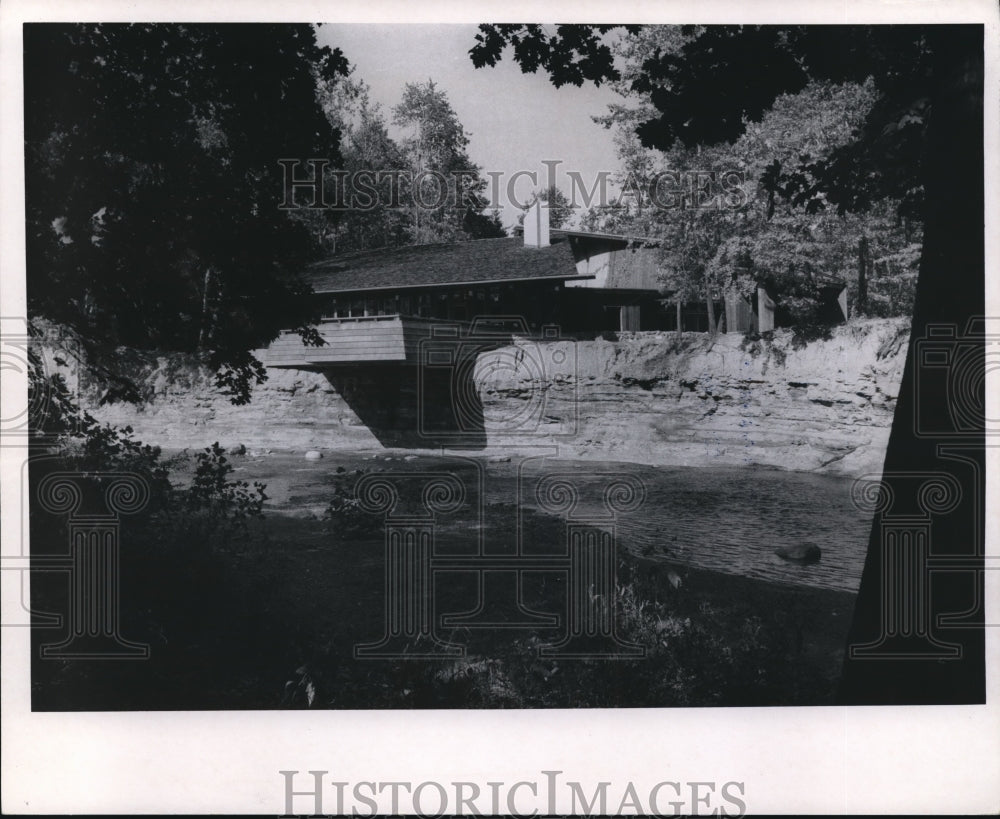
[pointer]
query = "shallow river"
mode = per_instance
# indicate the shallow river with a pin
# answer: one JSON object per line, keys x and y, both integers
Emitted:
{"x": 732, "y": 520}
{"x": 728, "y": 520}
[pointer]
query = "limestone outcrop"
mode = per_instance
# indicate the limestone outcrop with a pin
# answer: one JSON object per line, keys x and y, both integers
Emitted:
{"x": 653, "y": 398}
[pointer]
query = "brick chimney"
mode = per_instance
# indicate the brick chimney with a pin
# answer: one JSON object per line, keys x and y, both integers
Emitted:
{"x": 536, "y": 225}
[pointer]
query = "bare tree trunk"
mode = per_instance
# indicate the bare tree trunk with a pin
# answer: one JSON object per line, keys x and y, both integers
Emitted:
{"x": 863, "y": 276}
{"x": 204, "y": 307}
{"x": 678, "y": 307}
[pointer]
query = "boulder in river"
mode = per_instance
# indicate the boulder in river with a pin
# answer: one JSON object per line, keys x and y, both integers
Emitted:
{"x": 313, "y": 455}
{"x": 801, "y": 553}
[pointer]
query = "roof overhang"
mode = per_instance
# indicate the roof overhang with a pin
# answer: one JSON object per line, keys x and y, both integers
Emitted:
{"x": 465, "y": 284}
{"x": 616, "y": 237}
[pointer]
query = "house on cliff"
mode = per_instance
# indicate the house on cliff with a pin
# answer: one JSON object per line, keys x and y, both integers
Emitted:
{"x": 379, "y": 306}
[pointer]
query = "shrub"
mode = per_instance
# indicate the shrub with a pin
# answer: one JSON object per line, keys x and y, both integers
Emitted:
{"x": 217, "y": 504}
{"x": 807, "y": 332}
{"x": 345, "y": 509}
{"x": 214, "y": 505}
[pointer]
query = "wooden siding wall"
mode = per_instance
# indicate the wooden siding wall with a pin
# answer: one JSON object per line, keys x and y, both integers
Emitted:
{"x": 386, "y": 338}
{"x": 629, "y": 317}
{"x": 740, "y": 317}
{"x": 635, "y": 268}
{"x": 616, "y": 266}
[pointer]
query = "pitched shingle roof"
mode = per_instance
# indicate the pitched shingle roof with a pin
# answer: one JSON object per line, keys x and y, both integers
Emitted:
{"x": 474, "y": 262}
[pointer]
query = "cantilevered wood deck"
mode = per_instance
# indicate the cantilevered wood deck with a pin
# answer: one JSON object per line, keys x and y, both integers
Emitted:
{"x": 367, "y": 339}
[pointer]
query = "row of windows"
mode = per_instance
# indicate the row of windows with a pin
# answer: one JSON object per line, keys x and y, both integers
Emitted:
{"x": 462, "y": 303}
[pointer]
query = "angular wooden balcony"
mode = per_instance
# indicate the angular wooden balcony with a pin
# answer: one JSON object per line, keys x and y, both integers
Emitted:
{"x": 356, "y": 340}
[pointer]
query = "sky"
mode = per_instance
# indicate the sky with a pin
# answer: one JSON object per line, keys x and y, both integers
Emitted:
{"x": 514, "y": 121}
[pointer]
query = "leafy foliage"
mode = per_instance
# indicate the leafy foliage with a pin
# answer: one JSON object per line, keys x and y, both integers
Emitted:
{"x": 560, "y": 210}
{"x": 688, "y": 662}
{"x": 367, "y": 149}
{"x": 88, "y": 445}
{"x": 706, "y": 83}
{"x": 791, "y": 248}
{"x": 345, "y": 509}
{"x": 572, "y": 55}
{"x": 437, "y": 143}
{"x": 219, "y": 503}
{"x": 213, "y": 508}
{"x": 152, "y": 203}
{"x": 380, "y": 177}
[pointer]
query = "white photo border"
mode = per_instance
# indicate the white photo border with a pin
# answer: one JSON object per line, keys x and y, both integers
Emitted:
{"x": 792, "y": 760}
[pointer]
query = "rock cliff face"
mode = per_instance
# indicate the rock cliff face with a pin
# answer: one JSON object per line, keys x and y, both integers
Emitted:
{"x": 652, "y": 398}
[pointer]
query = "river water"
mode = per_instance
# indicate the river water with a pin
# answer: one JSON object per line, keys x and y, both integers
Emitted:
{"x": 723, "y": 519}
{"x": 732, "y": 520}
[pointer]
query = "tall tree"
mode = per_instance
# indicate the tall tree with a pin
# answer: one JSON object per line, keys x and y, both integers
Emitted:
{"x": 558, "y": 204}
{"x": 368, "y": 212}
{"x": 154, "y": 189}
{"x": 921, "y": 144}
{"x": 447, "y": 194}
{"x": 769, "y": 239}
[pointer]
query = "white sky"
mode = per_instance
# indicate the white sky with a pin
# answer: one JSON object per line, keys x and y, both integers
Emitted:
{"x": 513, "y": 120}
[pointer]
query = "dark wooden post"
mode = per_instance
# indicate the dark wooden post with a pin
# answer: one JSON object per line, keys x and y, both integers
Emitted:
{"x": 863, "y": 276}
{"x": 710, "y": 306}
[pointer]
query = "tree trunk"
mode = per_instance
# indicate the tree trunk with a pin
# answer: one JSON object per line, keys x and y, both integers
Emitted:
{"x": 928, "y": 659}
{"x": 863, "y": 276}
{"x": 678, "y": 307}
{"x": 204, "y": 307}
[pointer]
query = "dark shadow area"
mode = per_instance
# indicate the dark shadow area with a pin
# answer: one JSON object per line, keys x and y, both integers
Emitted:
{"x": 270, "y": 620}
{"x": 413, "y": 407}
{"x": 918, "y": 630}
